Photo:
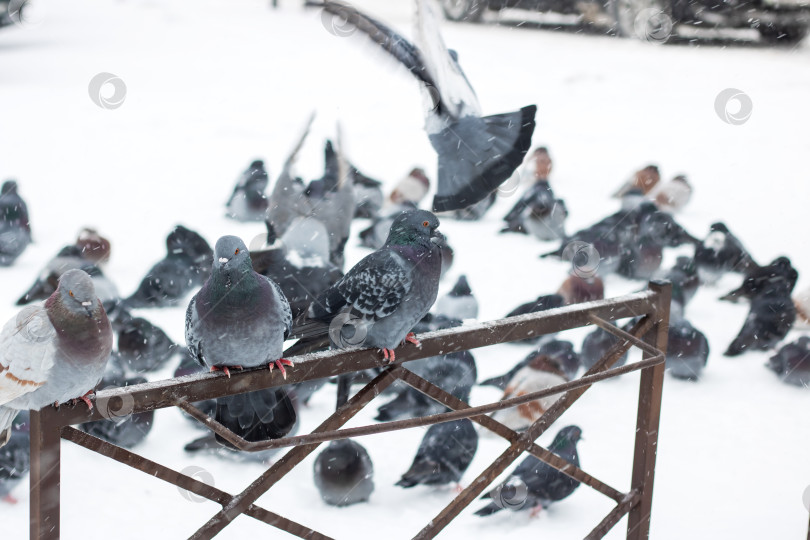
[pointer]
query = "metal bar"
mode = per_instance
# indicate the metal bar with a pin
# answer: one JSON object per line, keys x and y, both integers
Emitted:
{"x": 191, "y": 388}
{"x": 185, "y": 482}
{"x": 45, "y": 475}
{"x": 472, "y": 491}
{"x": 619, "y": 333}
{"x": 614, "y": 517}
{"x": 467, "y": 412}
{"x": 649, "y": 414}
{"x": 243, "y": 500}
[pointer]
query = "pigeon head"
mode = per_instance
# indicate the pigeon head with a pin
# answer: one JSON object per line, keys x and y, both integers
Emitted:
{"x": 9, "y": 186}
{"x": 413, "y": 227}
{"x": 544, "y": 362}
{"x": 231, "y": 253}
{"x": 77, "y": 292}
{"x": 567, "y": 435}
{"x": 719, "y": 227}
{"x": 461, "y": 288}
{"x": 257, "y": 164}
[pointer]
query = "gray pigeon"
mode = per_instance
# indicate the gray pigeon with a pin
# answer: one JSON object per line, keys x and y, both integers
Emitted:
{"x": 382, "y": 297}
{"x": 248, "y": 201}
{"x": 55, "y": 352}
{"x": 476, "y": 154}
{"x": 142, "y": 346}
{"x": 596, "y": 345}
{"x": 15, "y": 228}
{"x": 238, "y": 317}
{"x": 459, "y": 303}
{"x": 344, "y": 473}
{"x": 15, "y": 460}
{"x": 444, "y": 454}
{"x": 68, "y": 258}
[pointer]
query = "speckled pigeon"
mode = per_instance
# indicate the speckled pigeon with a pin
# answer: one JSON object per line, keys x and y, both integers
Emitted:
{"x": 382, "y": 297}
{"x": 248, "y": 201}
{"x": 15, "y": 460}
{"x": 534, "y": 484}
{"x": 15, "y": 228}
{"x": 444, "y": 454}
{"x": 792, "y": 362}
{"x": 186, "y": 265}
{"x": 55, "y": 352}
{"x": 344, "y": 474}
{"x": 476, "y": 154}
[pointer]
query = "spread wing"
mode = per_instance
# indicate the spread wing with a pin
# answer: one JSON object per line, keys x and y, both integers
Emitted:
{"x": 27, "y": 353}
{"x": 287, "y": 200}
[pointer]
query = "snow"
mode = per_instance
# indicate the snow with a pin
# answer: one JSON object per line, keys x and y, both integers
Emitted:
{"x": 209, "y": 88}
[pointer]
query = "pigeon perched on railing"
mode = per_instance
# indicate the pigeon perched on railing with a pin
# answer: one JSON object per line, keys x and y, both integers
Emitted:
{"x": 344, "y": 474}
{"x": 55, "y": 352}
{"x": 444, "y": 454}
{"x": 15, "y": 227}
{"x": 534, "y": 484}
{"x": 476, "y": 154}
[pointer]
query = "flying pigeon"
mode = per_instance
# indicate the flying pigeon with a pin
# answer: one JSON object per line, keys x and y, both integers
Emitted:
{"x": 444, "y": 454}
{"x": 15, "y": 227}
{"x": 15, "y": 460}
{"x": 792, "y": 362}
{"x": 248, "y": 201}
{"x": 770, "y": 318}
{"x": 778, "y": 276}
{"x": 119, "y": 426}
{"x": 719, "y": 253}
{"x": 238, "y": 318}
{"x": 344, "y": 474}
{"x": 459, "y": 303}
{"x": 534, "y": 484}
{"x": 142, "y": 346}
{"x": 476, "y": 154}
{"x": 53, "y": 353}
{"x": 187, "y": 264}
{"x": 687, "y": 350}
{"x": 384, "y": 295}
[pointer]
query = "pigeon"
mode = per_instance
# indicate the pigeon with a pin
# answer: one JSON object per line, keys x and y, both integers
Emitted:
{"x": 410, "y": 190}
{"x": 538, "y": 211}
{"x": 475, "y": 154}
{"x": 778, "y": 276}
{"x": 770, "y": 318}
{"x": 596, "y": 345}
{"x": 645, "y": 180}
{"x": 453, "y": 372}
{"x": 534, "y": 484}
{"x": 189, "y": 366}
{"x": 562, "y": 352}
{"x": 801, "y": 301}
{"x": 542, "y": 372}
{"x": 94, "y": 247}
{"x": 459, "y": 303}
{"x": 15, "y": 227}
{"x": 344, "y": 474}
{"x": 792, "y": 362}
{"x": 15, "y": 460}
{"x": 142, "y": 346}
{"x": 248, "y": 201}
{"x": 543, "y": 303}
{"x": 719, "y": 253}
{"x": 444, "y": 454}
{"x": 685, "y": 280}
{"x": 375, "y": 235}
{"x": 368, "y": 195}
{"x": 301, "y": 276}
{"x": 577, "y": 289}
{"x": 119, "y": 426}
{"x": 687, "y": 350}
{"x": 68, "y": 258}
{"x": 187, "y": 264}
{"x": 238, "y": 317}
{"x": 53, "y": 353}
{"x": 672, "y": 196}
{"x": 106, "y": 290}
{"x": 383, "y": 296}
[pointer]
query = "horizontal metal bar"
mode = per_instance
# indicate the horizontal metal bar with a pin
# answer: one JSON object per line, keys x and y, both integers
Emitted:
{"x": 183, "y": 481}
{"x": 614, "y": 516}
{"x": 160, "y": 394}
{"x": 396, "y": 425}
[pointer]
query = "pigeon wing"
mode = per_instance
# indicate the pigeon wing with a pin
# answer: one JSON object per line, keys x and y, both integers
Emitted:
{"x": 27, "y": 352}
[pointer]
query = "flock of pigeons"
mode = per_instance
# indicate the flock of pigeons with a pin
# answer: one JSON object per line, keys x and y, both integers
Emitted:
{"x": 252, "y": 301}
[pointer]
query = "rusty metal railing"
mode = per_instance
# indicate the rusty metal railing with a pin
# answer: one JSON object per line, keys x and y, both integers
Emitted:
{"x": 649, "y": 334}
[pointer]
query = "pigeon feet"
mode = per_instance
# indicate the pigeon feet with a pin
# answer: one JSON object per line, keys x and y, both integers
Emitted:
{"x": 225, "y": 369}
{"x": 280, "y": 363}
{"x": 87, "y": 401}
{"x": 389, "y": 354}
{"x": 411, "y": 338}
{"x": 9, "y": 499}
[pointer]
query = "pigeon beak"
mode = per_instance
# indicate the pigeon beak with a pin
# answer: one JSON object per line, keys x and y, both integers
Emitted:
{"x": 223, "y": 260}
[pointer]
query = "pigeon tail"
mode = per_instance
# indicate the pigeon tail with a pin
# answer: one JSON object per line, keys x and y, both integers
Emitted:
{"x": 477, "y": 155}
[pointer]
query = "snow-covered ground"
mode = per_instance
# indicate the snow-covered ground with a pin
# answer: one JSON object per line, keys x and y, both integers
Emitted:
{"x": 213, "y": 85}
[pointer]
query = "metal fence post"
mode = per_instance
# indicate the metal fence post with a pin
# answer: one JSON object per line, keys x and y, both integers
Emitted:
{"x": 649, "y": 414}
{"x": 45, "y": 475}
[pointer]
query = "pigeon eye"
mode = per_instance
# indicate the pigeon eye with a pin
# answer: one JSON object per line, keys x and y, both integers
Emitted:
{"x": 236, "y": 252}
{"x": 425, "y": 223}
{"x": 71, "y": 293}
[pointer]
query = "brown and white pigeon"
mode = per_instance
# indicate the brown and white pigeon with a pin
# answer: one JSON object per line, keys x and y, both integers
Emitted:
{"x": 55, "y": 352}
